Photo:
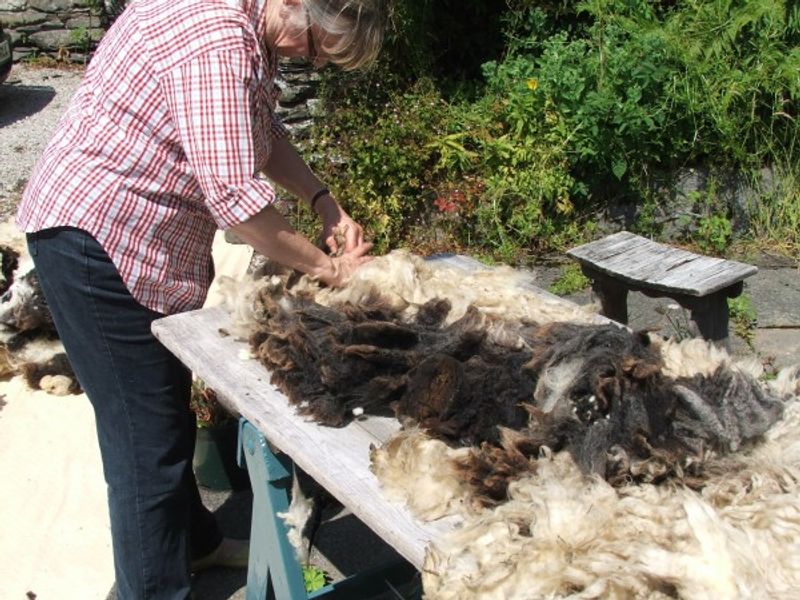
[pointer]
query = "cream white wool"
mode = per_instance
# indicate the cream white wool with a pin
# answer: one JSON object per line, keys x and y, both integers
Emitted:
{"x": 561, "y": 534}
{"x": 695, "y": 356}
{"x": 22, "y": 301}
{"x": 418, "y": 471}
{"x": 57, "y": 385}
{"x": 238, "y": 298}
{"x": 739, "y": 538}
{"x": 11, "y": 237}
{"x": 408, "y": 281}
{"x": 38, "y": 351}
{"x": 295, "y": 518}
{"x": 690, "y": 357}
{"x": 18, "y": 294}
{"x": 34, "y": 351}
{"x": 787, "y": 383}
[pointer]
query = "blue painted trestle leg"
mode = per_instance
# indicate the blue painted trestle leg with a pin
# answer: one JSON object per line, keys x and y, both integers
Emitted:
{"x": 273, "y": 571}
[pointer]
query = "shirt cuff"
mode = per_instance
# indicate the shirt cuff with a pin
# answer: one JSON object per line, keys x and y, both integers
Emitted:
{"x": 232, "y": 205}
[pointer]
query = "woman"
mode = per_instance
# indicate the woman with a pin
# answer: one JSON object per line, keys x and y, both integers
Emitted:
{"x": 160, "y": 147}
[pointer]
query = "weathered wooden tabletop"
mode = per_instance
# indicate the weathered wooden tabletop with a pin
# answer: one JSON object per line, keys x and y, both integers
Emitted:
{"x": 337, "y": 458}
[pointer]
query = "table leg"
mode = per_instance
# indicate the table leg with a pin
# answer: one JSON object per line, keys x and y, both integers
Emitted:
{"x": 273, "y": 571}
{"x": 273, "y": 567}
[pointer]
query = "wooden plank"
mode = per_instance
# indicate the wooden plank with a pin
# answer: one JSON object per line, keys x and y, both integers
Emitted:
{"x": 381, "y": 428}
{"x": 639, "y": 261}
{"x": 459, "y": 261}
{"x": 337, "y": 458}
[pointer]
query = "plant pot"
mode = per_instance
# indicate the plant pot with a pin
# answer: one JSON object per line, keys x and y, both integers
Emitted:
{"x": 214, "y": 459}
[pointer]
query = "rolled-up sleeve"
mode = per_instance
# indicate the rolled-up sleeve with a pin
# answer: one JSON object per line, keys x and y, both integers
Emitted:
{"x": 214, "y": 101}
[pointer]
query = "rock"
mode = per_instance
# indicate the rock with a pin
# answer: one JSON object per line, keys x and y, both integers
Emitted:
{"x": 12, "y": 5}
{"x": 63, "y": 38}
{"x": 782, "y": 345}
{"x": 294, "y": 114}
{"x": 84, "y": 21}
{"x": 294, "y": 94}
{"x": 51, "y": 5}
{"x": 51, "y": 40}
{"x": 776, "y": 295}
{"x": 742, "y": 195}
{"x": 26, "y": 17}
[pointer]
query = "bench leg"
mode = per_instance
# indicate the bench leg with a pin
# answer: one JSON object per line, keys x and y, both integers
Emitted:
{"x": 709, "y": 318}
{"x": 613, "y": 296}
{"x": 273, "y": 570}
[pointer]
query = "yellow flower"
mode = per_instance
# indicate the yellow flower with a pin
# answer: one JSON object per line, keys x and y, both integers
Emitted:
{"x": 533, "y": 84}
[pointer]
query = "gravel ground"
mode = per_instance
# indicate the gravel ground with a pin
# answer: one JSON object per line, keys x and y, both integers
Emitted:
{"x": 31, "y": 101}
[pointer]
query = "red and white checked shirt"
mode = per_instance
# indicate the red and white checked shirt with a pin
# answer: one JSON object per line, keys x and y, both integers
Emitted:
{"x": 162, "y": 143}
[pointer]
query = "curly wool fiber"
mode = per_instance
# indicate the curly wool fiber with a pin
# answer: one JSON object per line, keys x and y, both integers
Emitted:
{"x": 596, "y": 400}
{"x": 563, "y": 535}
{"x": 420, "y": 472}
{"x": 406, "y": 282}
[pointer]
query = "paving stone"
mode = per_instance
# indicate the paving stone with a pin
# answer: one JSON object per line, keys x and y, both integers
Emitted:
{"x": 776, "y": 296}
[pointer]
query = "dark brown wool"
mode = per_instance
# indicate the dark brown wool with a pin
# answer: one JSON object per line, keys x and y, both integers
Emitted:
{"x": 597, "y": 391}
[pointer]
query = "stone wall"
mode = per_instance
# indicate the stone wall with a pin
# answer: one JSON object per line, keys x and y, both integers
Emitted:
{"x": 68, "y": 31}
{"x": 63, "y": 29}
{"x": 299, "y": 104}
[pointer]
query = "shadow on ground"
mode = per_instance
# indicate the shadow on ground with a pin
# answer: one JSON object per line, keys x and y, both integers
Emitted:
{"x": 18, "y": 102}
{"x": 343, "y": 546}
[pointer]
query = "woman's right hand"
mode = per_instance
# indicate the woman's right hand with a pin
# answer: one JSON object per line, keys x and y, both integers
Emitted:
{"x": 342, "y": 267}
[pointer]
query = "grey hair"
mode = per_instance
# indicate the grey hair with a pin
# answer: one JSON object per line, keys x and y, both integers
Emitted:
{"x": 357, "y": 27}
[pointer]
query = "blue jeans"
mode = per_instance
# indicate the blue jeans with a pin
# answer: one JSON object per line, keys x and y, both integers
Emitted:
{"x": 140, "y": 394}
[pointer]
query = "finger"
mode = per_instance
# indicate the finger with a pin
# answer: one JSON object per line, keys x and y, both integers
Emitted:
{"x": 355, "y": 236}
{"x": 330, "y": 242}
{"x": 360, "y": 250}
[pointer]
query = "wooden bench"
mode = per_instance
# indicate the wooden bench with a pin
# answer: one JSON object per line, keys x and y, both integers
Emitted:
{"x": 624, "y": 261}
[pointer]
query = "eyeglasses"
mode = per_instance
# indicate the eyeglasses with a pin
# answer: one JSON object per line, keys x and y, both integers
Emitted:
{"x": 312, "y": 47}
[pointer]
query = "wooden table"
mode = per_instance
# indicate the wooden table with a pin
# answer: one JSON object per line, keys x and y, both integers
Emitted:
{"x": 338, "y": 459}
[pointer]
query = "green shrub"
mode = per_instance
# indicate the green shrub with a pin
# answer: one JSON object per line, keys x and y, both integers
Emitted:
{"x": 744, "y": 317}
{"x": 589, "y": 102}
{"x": 775, "y": 215}
{"x": 314, "y": 578}
{"x": 571, "y": 280}
{"x": 387, "y": 158}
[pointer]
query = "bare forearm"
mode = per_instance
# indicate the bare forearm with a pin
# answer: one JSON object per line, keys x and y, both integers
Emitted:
{"x": 288, "y": 169}
{"x": 270, "y": 234}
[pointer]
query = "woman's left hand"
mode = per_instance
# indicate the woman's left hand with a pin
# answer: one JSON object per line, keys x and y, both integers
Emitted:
{"x": 340, "y": 233}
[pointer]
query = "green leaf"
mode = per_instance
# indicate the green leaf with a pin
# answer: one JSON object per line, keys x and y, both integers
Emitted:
{"x": 619, "y": 167}
{"x": 314, "y": 578}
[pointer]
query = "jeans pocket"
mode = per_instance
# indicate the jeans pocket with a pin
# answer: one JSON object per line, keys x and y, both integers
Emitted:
{"x": 33, "y": 243}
